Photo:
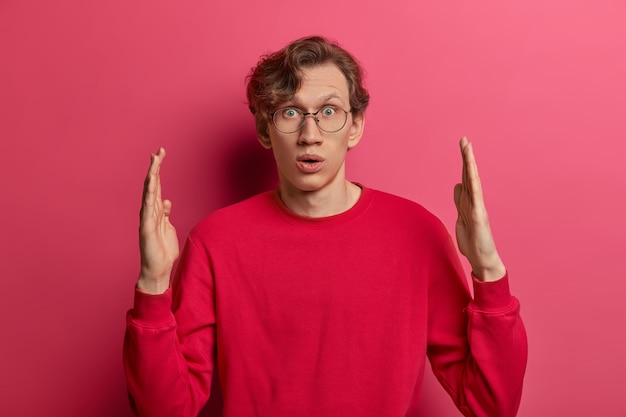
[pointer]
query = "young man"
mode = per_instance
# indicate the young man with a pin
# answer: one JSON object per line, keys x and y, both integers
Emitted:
{"x": 323, "y": 297}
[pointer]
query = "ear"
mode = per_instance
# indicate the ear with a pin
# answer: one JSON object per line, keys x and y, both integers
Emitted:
{"x": 356, "y": 130}
{"x": 264, "y": 140}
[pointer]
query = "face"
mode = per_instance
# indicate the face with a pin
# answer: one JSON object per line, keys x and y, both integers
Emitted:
{"x": 311, "y": 159}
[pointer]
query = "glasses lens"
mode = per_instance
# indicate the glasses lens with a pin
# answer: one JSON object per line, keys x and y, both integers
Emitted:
{"x": 287, "y": 119}
{"x": 331, "y": 119}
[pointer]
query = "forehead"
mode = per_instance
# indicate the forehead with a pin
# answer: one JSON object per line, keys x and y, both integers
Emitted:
{"x": 321, "y": 83}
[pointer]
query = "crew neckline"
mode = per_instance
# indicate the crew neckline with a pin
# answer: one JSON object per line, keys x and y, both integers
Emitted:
{"x": 322, "y": 222}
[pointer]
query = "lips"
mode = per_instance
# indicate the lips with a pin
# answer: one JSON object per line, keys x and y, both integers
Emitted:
{"x": 309, "y": 163}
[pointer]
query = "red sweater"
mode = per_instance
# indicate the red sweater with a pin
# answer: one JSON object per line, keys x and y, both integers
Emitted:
{"x": 324, "y": 317}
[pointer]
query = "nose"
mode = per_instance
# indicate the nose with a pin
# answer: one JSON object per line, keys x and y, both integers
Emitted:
{"x": 310, "y": 132}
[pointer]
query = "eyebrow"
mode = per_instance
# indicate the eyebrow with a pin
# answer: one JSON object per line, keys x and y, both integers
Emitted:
{"x": 330, "y": 96}
{"x": 323, "y": 99}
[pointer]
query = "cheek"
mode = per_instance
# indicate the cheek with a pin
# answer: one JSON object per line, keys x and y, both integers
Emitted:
{"x": 339, "y": 155}
{"x": 281, "y": 155}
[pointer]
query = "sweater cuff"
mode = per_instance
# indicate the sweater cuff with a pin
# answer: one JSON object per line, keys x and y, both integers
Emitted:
{"x": 492, "y": 296}
{"x": 152, "y": 309}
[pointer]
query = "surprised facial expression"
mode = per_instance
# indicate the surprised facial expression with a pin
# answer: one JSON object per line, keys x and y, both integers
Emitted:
{"x": 311, "y": 159}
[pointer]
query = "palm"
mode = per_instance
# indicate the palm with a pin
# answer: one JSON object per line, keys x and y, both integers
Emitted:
{"x": 158, "y": 241}
{"x": 473, "y": 233}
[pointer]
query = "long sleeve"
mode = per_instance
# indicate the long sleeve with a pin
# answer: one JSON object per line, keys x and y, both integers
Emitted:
{"x": 478, "y": 353}
{"x": 323, "y": 317}
{"x": 169, "y": 342}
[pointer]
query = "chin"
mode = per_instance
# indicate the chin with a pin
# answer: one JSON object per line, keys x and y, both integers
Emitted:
{"x": 307, "y": 185}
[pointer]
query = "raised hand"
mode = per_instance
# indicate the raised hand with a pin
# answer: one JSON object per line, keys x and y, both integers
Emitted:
{"x": 158, "y": 243}
{"x": 473, "y": 233}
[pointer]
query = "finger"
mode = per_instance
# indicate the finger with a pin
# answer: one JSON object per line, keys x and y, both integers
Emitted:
{"x": 475, "y": 187}
{"x": 155, "y": 162}
{"x": 160, "y": 156}
{"x": 157, "y": 191}
{"x": 148, "y": 184}
{"x": 151, "y": 183}
{"x": 463, "y": 145}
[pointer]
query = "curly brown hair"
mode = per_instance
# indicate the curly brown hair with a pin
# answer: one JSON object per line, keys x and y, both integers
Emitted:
{"x": 277, "y": 76}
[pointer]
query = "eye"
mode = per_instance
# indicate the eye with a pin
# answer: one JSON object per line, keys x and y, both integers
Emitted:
{"x": 290, "y": 113}
{"x": 329, "y": 111}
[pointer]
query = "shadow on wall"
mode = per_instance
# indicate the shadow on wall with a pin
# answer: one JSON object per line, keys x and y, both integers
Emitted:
{"x": 250, "y": 169}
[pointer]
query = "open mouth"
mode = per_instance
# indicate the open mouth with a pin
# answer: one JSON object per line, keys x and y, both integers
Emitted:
{"x": 310, "y": 158}
{"x": 310, "y": 163}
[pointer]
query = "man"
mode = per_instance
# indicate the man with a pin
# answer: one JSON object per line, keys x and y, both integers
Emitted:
{"x": 323, "y": 297}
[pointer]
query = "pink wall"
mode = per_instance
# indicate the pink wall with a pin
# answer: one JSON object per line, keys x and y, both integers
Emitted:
{"x": 89, "y": 89}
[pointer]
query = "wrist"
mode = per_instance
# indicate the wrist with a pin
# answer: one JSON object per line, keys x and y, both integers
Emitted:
{"x": 153, "y": 286}
{"x": 490, "y": 272}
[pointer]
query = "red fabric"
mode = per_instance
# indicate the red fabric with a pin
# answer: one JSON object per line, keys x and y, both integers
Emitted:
{"x": 323, "y": 317}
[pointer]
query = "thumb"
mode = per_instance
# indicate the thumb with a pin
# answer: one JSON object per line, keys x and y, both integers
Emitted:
{"x": 457, "y": 196}
{"x": 167, "y": 208}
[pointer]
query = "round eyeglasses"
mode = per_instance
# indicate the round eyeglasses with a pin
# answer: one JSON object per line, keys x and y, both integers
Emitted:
{"x": 330, "y": 119}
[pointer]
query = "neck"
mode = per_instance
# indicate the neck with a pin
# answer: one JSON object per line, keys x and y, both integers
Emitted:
{"x": 321, "y": 203}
